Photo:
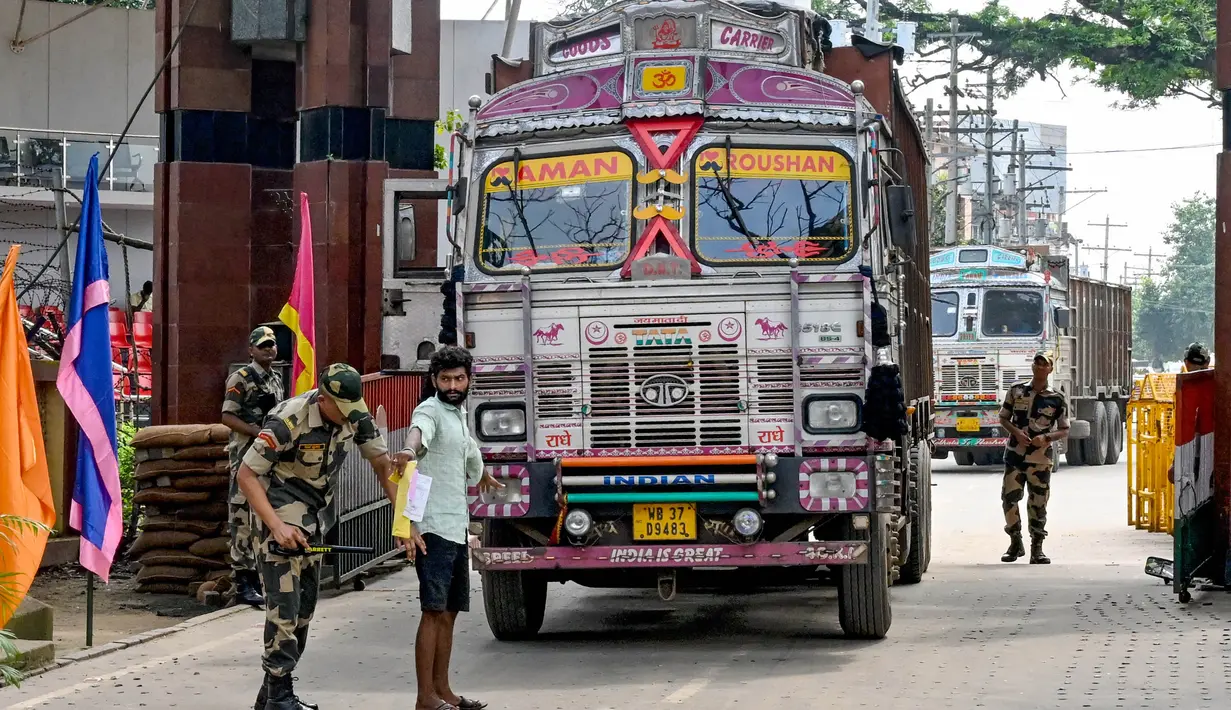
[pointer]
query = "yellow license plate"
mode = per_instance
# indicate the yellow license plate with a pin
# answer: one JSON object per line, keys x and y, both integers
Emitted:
{"x": 968, "y": 424}
{"x": 665, "y": 521}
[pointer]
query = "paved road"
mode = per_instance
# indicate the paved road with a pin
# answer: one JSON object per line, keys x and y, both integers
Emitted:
{"x": 1090, "y": 631}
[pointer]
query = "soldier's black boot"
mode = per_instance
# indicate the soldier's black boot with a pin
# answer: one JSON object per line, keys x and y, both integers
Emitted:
{"x": 245, "y": 591}
{"x": 262, "y": 695}
{"x": 1016, "y": 549}
{"x": 1036, "y": 553}
{"x": 280, "y": 695}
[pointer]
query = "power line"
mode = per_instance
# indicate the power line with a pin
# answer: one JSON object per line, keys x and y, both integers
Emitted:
{"x": 1140, "y": 150}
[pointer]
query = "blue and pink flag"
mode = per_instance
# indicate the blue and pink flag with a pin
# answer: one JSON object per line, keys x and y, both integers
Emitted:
{"x": 85, "y": 383}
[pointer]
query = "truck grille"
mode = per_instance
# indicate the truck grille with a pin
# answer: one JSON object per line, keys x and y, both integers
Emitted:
{"x": 708, "y": 416}
{"x": 962, "y": 379}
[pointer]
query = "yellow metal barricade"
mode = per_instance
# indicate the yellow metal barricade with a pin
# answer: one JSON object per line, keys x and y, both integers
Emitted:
{"x": 1150, "y": 436}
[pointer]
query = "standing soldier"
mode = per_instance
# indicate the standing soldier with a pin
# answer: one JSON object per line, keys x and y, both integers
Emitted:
{"x": 252, "y": 392}
{"x": 1036, "y": 416}
{"x": 289, "y": 475}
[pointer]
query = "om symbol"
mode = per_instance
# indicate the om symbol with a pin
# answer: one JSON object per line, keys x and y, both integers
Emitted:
{"x": 664, "y": 79}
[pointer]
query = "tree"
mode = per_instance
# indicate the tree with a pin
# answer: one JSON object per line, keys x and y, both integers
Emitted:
{"x": 1152, "y": 336}
{"x": 1170, "y": 314}
{"x": 1145, "y": 49}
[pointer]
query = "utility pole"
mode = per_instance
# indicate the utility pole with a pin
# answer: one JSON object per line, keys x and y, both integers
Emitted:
{"x": 951, "y": 202}
{"x": 1149, "y": 255}
{"x": 1106, "y": 225}
{"x": 989, "y": 138}
{"x": 872, "y": 26}
{"x": 1021, "y": 187}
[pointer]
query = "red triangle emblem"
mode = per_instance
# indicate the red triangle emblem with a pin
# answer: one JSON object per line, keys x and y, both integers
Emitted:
{"x": 659, "y": 226}
{"x": 644, "y": 129}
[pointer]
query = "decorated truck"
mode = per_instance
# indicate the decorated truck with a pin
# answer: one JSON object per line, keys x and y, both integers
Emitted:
{"x": 992, "y": 310}
{"x": 694, "y": 287}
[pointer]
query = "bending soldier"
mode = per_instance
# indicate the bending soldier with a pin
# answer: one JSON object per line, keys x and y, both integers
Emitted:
{"x": 252, "y": 391}
{"x": 289, "y": 475}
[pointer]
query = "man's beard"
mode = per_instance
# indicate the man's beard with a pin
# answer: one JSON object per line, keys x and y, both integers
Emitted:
{"x": 453, "y": 397}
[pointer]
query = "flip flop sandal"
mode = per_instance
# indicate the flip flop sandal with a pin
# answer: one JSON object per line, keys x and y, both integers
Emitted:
{"x": 446, "y": 705}
{"x": 471, "y": 704}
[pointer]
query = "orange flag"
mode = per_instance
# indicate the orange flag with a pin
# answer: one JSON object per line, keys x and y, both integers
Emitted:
{"x": 25, "y": 488}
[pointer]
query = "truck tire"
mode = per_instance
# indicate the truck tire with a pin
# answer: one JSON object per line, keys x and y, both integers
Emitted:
{"x": 1075, "y": 452}
{"x": 1115, "y": 433}
{"x": 916, "y": 563}
{"x": 964, "y": 458}
{"x": 1095, "y": 445}
{"x": 514, "y": 602}
{"x": 864, "y": 610}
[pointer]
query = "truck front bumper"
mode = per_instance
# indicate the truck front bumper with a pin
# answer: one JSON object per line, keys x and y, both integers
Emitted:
{"x": 761, "y": 554}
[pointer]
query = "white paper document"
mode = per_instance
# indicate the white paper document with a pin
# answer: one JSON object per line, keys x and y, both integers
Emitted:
{"x": 416, "y": 497}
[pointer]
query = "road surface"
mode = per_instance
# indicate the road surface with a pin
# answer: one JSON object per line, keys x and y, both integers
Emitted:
{"x": 1089, "y": 631}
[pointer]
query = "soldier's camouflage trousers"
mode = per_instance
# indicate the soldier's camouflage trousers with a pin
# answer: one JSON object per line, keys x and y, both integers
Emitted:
{"x": 243, "y": 526}
{"x": 1016, "y": 482}
{"x": 291, "y": 586}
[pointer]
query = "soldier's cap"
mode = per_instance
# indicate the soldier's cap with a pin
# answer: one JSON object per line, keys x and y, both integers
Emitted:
{"x": 341, "y": 383}
{"x": 1047, "y": 357}
{"x": 261, "y": 336}
{"x": 1197, "y": 354}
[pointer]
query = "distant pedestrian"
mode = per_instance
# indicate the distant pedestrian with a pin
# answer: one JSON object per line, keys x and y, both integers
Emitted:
{"x": 1196, "y": 358}
{"x": 252, "y": 391}
{"x": 440, "y": 440}
{"x": 289, "y": 476}
{"x": 1036, "y": 416}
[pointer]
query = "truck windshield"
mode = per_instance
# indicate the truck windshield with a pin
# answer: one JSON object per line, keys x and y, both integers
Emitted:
{"x": 1012, "y": 313}
{"x": 944, "y": 314}
{"x": 563, "y": 212}
{"x": 770, "y": 204}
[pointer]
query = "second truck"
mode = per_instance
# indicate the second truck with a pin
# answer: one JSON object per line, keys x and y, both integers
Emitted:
{"x": 992, "y": 310}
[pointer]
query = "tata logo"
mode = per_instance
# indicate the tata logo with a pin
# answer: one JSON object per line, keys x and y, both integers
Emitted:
{"x": 664, "y": 391}
{"x": 662, "y": 336}
{"x": 678, "y": 479}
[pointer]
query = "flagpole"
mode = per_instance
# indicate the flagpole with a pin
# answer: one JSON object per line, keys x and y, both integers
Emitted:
{"x": 89, "y": 608}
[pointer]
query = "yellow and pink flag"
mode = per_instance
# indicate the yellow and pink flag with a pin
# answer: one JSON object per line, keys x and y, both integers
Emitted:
{"x": 299, "y": 313}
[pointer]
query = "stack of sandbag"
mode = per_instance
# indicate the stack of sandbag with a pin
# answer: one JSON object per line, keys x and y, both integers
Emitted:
{"x": 182, "y": 479}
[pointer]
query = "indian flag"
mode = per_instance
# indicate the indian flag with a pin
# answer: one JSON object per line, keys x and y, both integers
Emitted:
{"x": 299, "y": 312}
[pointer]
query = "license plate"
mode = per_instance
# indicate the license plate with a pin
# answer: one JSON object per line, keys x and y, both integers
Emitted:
{"x": 968, "y": 424}
{"x": 664, "y": 521}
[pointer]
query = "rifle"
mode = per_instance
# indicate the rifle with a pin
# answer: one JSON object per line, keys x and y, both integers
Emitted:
{"x": 277, "y": 549}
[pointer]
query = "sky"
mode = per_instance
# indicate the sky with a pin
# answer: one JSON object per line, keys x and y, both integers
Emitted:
{"x": 1141, "y": 186}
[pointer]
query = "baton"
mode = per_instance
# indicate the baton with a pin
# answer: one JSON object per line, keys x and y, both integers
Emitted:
{"x": 277, "y": 549}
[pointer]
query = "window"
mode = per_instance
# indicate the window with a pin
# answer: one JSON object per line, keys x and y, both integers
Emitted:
{"x": 972, "y": 256}
{"x": 944, "y": 314}
{"x": 770, "y": 204}
{"x": 1012, "y": 313}
{"x": 563, "y": 212}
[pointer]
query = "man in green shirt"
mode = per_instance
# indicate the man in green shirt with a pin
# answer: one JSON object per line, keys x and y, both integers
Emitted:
{"x": 440, "y": 440}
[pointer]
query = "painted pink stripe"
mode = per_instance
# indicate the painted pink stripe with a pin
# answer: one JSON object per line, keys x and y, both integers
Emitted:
{"x": 90, "y": 420}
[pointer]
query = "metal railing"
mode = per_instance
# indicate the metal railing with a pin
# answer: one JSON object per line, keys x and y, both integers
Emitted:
{"x": 365, "y": 516}
{"x": 35, "y": 156}
{"x": 1150, "y": 447}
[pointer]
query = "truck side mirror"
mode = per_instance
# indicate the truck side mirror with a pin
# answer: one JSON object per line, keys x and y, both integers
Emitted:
{"x": 459, "y": 195}
{"x": 1062, "y": 317}
{"x": 901, "y": 216}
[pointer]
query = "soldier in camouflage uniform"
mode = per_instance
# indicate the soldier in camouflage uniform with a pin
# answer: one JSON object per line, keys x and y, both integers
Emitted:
{"x": 289, "y": 475}
{"x": 252, "y": 391}
{"x": 1035, "y": 416}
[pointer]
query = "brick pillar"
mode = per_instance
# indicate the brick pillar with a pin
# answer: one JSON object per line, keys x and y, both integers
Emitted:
{"x": 364, "y": 115}
{"x": 222, "y": 244}
{"x": 226, "y": 189}
{"x": 203, "y": 204}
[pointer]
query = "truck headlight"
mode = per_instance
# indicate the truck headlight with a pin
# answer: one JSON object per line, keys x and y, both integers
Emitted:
{"x": 510, "y": 494}
{"x": 498, "y": 423}
{"x": 831, "y": 484}
{"x": 831, "y": 415}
